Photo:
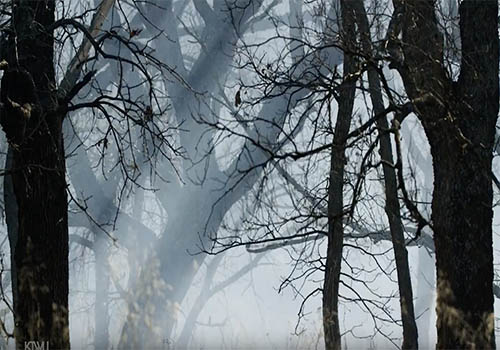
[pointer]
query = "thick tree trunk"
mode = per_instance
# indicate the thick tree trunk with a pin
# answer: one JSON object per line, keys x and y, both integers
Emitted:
{"x": 459, "y": 119}
{"x": 462, "y": 218}
{"x": 41, "y": 254}
{"x": 33, "y": 128}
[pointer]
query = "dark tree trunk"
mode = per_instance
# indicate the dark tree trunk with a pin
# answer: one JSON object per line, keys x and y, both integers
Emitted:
{"x": 33, "y": 127}
{"x": 392, "y": 207}
{"x": 462, "y": 217}
{"x": 459, "y": 119}
{"x": 336, "y": 188}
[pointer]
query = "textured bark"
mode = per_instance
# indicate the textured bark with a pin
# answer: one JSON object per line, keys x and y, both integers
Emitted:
{"x": 462, "y": 216}
{"x": 459, "y": 119}
{"x": 33, "y": 128}
{"x": 335, "y": 191}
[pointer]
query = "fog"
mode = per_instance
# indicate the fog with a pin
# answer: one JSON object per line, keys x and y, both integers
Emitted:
{"x": 201, "y": 223}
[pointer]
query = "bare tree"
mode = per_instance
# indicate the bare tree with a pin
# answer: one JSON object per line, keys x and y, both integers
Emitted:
{"x": 33, "y": 108}
{"x": 459, "y": 119}
{"x": 336, "y": 184}
{"x": 32, "y": 119}
{"x": 248, "y": 117}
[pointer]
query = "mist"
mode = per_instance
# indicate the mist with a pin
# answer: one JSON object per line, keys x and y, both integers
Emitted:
{"x": 201, "y": 150}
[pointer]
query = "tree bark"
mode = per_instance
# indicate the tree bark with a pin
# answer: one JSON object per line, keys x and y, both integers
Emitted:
{"x": 32, "y": 123}
{"x": 459, "y": 120}
{"x": 335, "y": 190}
{"x": 462, "y": 216}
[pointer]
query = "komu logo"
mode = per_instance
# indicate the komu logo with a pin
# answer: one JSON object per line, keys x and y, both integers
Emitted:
{"x": 36, "y": 345}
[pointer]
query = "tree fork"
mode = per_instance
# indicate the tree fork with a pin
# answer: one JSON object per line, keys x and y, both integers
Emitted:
{"x": 459, "y": 119}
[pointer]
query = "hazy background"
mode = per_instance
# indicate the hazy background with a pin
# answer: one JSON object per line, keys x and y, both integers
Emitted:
{"x": 205, "y": 171}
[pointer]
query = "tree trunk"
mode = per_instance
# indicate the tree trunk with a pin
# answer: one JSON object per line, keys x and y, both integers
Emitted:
{"x": 33, "y": 127}
{"x": 335, "y": 192}
{"x": 462, "y": 217}
{"x": 459, "y": 119}
{"x": 392, "y": 207}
